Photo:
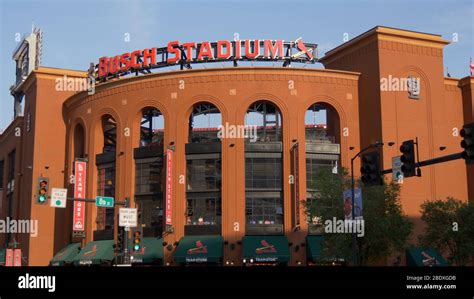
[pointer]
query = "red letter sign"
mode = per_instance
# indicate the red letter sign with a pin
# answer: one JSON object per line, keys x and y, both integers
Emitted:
{"x": 9, "y": 258}
{"x": 175, "y": 51}
{"x": 79, "y": 192}
{"x": 169, "y": 185}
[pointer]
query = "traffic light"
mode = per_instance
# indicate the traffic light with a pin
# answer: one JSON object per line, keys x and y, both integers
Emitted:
{"x": 137, "y": 240}
{"x": 467, "y": 133}
{"x": 120, "y": 240}
{"x": 370, "y": 169}
{"x": 42, "y": 191}
{"x": 408, "y": 158}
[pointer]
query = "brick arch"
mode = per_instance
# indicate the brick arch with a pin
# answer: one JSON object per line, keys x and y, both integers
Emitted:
{"x": 279, "y": 104}
{"x": 134, "y": 117}
{"x": 206, "y": 98}
{"x": 343, "y": 121}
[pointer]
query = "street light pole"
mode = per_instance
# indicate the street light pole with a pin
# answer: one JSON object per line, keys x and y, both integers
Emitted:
{"x": 355, "y": 247}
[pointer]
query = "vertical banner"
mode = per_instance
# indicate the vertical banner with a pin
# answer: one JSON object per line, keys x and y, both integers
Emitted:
{"x": 348, "y": 204}
{"x": 9, "y": 258}
{"x": 296, "y": 184}
{"x": 169, "y": 185}
{"x": 79, "y": 192}
{"x": 17, "y": 257}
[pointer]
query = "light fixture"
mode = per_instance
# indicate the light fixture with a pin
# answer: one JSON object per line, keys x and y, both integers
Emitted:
{"x": 391, "y": 143}
{"x": 442, "y": 148}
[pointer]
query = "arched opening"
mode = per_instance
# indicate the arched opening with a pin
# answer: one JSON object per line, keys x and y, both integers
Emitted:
{"x": 79, "y": 142}
{"x": 203, "y": 171}
{"x": 322, "y": 132}
{"x": 263, "y": 170}
{"x": 106, "y": 166}
{"x": 203, "y": 123}
{"x": 149, "y": 172}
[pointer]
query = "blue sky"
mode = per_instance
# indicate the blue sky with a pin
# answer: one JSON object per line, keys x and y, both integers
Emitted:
{"x": 79, "y": 32}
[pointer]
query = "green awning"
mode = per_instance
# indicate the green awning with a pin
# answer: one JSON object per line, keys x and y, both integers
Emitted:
{"x": 266, "y": 249}
{"x": 66, "y": 254}
{"x": 418, "y": 256}
{"x": 95, "y": 253}
{"x": 199, "y": 249}
{"x": 314, "y": 248}
{"x": 2, "y": 256}
{"x": 151, "y": 251}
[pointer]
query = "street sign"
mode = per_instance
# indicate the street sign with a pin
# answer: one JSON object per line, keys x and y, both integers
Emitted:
{"x": 58, "y": 197}
{"x": 104, "y": 202}
{"x": 128, "y": 217}
{"x": 397, "y": 174}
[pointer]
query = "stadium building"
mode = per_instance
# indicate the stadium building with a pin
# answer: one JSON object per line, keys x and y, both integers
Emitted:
{"x": 227, "y": 195}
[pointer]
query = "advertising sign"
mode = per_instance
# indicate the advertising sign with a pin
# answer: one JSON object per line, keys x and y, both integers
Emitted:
{"x": 169, "y": 185}
{"x": 357, "y": 204}
{"x": 187, "y": 53}
{"x": 79, "y": 192}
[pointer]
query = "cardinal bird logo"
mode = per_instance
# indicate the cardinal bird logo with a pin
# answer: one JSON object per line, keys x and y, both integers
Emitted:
{"x": 92, "y": 252}
{"x": 429, "y": 260}
{"x": 200, "y": 248}
{"x": 266, "y": 248}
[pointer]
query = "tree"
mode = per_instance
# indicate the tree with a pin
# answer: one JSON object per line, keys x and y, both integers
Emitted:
{"x": 450, "y": 229}
{"x": 386, "y": 229}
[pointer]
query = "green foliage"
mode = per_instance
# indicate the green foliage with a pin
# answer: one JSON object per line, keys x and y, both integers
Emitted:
{"x": 386, "y": 228}
{"x": 450, "y": 229}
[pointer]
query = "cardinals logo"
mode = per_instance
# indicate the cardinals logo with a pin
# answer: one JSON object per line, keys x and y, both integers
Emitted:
{"x": 92, "y": 252}
{"x": 267, "y": 248}
{"x": 429, "y": 260}
{"x": 200, "y": 248}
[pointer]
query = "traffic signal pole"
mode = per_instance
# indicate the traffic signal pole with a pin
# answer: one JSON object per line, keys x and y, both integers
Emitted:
{"x": 433, "y": 161}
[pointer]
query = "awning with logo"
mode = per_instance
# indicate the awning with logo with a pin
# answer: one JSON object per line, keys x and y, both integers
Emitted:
{"x": 66, "y": 255}
{"x": 150, "y": 252}
{"x": 95, "y": 253}
{"x": 266, "y": 249}
{"x": 418, "y": 256}
{"x": 199, "y": 249}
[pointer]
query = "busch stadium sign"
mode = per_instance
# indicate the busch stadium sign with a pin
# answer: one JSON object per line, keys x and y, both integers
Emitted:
{"x": 185, "y": 54}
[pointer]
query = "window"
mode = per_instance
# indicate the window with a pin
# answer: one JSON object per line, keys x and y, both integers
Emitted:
{"x": 11, "y": 172}
{"x": 263, "y": 173}
{"x": 313, "y": 165}
{"x": 105, "y": 187}
{"x": 203, "y": 190}
{"x": 148, "y": 176}
{"x": 151, "y": 215}
{"x": 264, "y": 210}
{"x": 149, "y": 194}
{"x": 203, "y": 209}
{"x": 204, "y": 174}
